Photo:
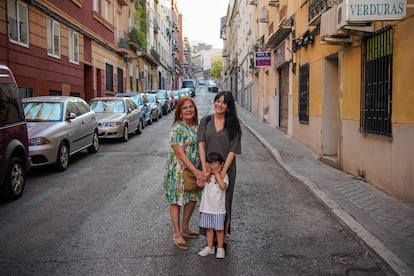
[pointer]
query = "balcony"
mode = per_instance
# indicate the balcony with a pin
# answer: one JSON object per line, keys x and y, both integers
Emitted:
{"x": 317, "y": 8}
{"x": 123, "y": 3}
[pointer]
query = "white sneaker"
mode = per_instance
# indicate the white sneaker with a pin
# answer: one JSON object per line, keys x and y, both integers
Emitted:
{"x": 220, "y": 253}
{"x": 206, "y": 251}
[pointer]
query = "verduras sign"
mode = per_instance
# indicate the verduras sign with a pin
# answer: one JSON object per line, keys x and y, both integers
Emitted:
{"x": 374, "y": 10}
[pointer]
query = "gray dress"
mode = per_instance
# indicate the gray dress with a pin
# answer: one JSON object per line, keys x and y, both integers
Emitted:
{"x": 220, "y": 142}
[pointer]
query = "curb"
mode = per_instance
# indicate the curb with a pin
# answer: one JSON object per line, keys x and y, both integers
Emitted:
{"x": 395, "y": 263}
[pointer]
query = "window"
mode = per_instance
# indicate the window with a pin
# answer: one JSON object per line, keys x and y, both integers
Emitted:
{"x": 109, "y": 77}
{"x": 53, "y": 38}
{"x": 25, "y": 92}
{"x": 106, "y": 10}
{"x": 96, "y": 5}
{"x": 74, "y": 47}
{"x": 55, "y": 93}
{"x": 304, "y": 93}
{"x": 377, "y": 93}
{"x": 120, "y": 80}
{"x": 17, "y": 16}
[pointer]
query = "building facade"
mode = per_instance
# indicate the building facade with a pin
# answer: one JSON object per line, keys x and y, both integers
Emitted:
{"x": 88, "y": 48}
{"x": 333, "y": 75}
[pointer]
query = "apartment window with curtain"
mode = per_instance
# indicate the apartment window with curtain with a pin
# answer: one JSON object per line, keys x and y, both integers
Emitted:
{"x": 109, "y": 77}
{"x": 304, "y": 93}
{"x": 74, "y": 47}
{"x": 17, "y": 16}
{"x": 106, "y": 10}
{"x": 377, "y": 87}
{"x": 96, "y": 5}
{"x": 53, "y": 38}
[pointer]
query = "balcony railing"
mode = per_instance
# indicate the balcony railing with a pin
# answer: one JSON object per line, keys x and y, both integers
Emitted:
{"x": 318, "y": 7}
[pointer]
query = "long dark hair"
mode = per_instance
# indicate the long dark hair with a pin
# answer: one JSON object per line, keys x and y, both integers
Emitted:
{"x": 231, "y": 123}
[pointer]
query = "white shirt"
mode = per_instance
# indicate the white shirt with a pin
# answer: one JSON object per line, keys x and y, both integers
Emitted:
{"x": 213, "y": 199}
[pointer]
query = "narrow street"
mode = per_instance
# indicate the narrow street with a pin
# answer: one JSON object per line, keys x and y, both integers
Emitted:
{"x": 105, "y": 215}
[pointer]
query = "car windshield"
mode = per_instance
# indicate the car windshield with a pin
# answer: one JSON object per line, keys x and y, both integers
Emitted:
{"x": 43, "y": 112}
{"x": 161, "y": 95}
{"x": 108, "y": 106}
{"x": 138, "y": 100}
{"x": 151, "y": 99}
{"x": 187, "y": 84}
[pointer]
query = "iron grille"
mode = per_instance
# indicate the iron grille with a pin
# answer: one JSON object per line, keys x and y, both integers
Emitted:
{"x": 377, "y": 94}
{"x": 304, "y": 93}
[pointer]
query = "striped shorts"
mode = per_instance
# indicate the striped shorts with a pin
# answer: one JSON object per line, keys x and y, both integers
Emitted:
{"x": 215, "y": 221}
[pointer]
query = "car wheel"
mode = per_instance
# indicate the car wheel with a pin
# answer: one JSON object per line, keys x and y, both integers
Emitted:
{"x": 125, "y": 137}
{"x": 150, "y": 119}
{"x": 15, "y": 179}
{"x": 156, "y": 117}
{"x": 139, "y": 128}
{"x": 62, "y": 160}
{"x": 95, "y": 143}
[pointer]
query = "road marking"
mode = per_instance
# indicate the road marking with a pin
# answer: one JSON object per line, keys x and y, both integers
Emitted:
{"x": 42, "y": 196}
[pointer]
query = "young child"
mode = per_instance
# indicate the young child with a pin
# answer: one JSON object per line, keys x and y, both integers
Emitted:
{"x": 213, "y": 205}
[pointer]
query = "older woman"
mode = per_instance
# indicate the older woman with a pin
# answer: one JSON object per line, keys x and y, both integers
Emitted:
{"x": 183, "y": 155}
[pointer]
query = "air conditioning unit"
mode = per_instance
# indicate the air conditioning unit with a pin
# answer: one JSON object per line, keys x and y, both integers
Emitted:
{"x": 274, "y": 3}
{"x": 328, "y": 23}
{"x": 345, "y": 24}
{"x": 252, "y": 2}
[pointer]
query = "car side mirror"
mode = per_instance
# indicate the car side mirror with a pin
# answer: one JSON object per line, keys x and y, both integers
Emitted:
{"x": 71, "y": 116}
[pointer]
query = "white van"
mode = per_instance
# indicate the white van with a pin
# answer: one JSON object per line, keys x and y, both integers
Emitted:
{"x": 189, "y": 83}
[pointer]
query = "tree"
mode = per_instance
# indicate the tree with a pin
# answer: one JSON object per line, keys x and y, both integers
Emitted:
{"x": 216, "y": 68}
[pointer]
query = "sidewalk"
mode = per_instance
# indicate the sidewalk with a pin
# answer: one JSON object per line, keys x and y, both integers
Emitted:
{"x": 384, "y": 224}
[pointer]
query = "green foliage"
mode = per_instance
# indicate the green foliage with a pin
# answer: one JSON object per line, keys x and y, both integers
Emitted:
{"x": 216, "y": 68}
{"x": 138, "y": 35}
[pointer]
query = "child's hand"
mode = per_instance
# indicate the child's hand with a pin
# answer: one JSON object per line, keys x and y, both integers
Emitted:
{"x": 215, "y": 168}
{"x": 200, "y": 183}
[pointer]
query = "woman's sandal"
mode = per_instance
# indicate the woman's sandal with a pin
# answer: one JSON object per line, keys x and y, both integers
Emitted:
{"x": 180, "y": 245}
{"x": 189, "y": 234}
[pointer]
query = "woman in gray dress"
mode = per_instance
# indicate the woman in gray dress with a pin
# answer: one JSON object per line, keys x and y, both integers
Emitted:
{"x": 221, "y": 132}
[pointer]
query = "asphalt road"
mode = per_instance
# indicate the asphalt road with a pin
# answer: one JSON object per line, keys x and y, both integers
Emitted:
{"x": 105, "y": 215}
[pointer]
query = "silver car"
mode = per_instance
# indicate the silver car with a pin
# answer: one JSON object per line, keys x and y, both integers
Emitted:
{"x": 58, "y": 127}
{"x": 155, "y": 106}
{"x": 117, "y": 117}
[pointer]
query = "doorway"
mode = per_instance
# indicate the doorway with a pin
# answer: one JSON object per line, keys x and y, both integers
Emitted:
{"x": 330, "y": 110}
{"x": 283, "y": 97}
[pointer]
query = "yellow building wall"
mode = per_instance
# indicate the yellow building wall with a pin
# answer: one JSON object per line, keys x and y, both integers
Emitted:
{"x": 403, "y": 67}
{"x": 351, "y": 84}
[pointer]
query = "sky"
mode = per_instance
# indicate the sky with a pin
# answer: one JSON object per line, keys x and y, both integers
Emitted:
{"x": 201, "y": 20}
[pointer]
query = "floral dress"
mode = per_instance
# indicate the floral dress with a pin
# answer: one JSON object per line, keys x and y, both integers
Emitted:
{"x": 180, "y": 135}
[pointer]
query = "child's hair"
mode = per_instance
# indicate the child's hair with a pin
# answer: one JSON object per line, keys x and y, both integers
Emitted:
{"x": 214, "y": 157}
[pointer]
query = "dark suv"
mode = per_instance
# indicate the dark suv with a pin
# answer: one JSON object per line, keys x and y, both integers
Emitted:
{"x": 14, "y": 161}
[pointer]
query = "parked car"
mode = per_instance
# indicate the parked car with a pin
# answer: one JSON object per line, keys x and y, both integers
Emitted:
{"x": 212, "y": 86}
{"x": 162, "y": 98}
{"x": 142, "y": 102}
{"x": 59, "y": 127}
{"x": 171, "y": 99}
{"x": 177, "y": 95}
{"x": 155, "y": 106}
{"x": 117, "y": 117}
{"x": 14, "y": 145}
{"x": 189, "y": 83}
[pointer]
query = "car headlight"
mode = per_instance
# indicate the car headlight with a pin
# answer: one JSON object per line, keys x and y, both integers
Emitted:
{"x": 111, "y": 124}
{"x": 38, "y": 141}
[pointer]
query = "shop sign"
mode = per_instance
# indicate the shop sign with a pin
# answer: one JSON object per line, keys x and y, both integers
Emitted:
{"x": 374, "y": 10}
